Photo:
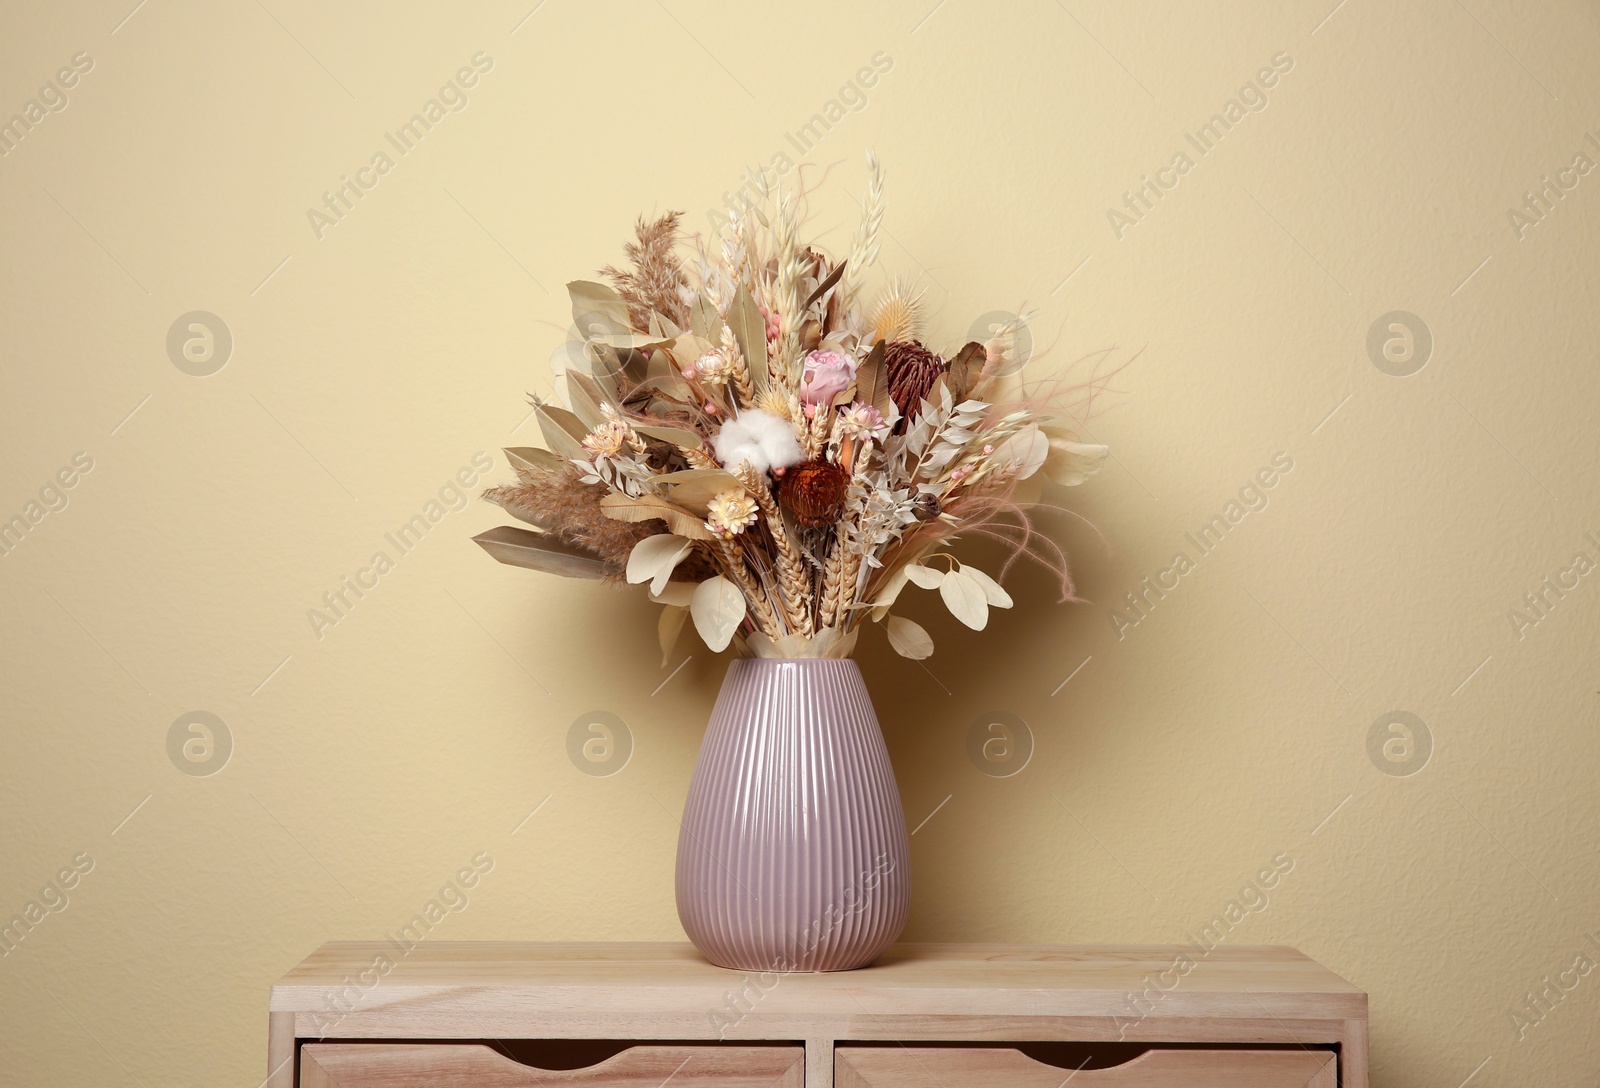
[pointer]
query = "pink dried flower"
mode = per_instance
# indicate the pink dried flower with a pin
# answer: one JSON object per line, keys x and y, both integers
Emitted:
{"x": 827, "y": 374}
{"x": 863, "y": 422}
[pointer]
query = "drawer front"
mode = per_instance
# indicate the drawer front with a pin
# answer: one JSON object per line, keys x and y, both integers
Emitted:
{"x": 994, "y": 1067}
{"x": 474, "y": 1065}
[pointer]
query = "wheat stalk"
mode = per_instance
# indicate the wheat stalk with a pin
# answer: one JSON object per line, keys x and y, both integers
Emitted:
{"x": 818, "y": 431}
{"x": 790, "y": 259}
{"x": 794, "y": 583}
{"x": 733, "y": 559}
{"x": 740, "y": 367}
{"x": 700, "y": 457}
{"x": 832, "y": 582}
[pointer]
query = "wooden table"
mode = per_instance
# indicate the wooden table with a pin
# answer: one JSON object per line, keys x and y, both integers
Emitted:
{"x": 519, "y": 1015}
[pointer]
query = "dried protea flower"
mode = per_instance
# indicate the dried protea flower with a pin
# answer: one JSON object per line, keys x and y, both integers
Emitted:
{"x": 912, "y": 370}
{"x": 813, "y": 493}
{"x": 730, "y": 512}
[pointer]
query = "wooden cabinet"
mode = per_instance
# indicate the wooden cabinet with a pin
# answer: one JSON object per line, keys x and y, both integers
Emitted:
{"x": 480, "y": 1065}
{"x": 520, "y": 1015}
{"x": 986, "y": 1067}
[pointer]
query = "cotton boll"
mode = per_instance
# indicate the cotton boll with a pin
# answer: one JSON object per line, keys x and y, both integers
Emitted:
{"x": 760, "y": 439}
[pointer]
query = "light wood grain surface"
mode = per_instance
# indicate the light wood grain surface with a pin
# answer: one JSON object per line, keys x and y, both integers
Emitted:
{"x": 475, "y": 1065}
{"x": 1015, "y": 980}
{"x": 951, "y": 1067}
{"x": 916, "y": 994}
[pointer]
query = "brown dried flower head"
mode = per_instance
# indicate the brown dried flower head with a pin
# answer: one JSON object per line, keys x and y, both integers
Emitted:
{"x": 813, "y": 492}
{"x": 912, "y": 370}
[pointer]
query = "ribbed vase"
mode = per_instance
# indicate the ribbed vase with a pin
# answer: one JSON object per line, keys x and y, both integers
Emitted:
{"x": 793, "y": 854}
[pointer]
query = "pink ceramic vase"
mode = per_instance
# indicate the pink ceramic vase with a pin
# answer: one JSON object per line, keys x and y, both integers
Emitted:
{"x": 793, "y": 854}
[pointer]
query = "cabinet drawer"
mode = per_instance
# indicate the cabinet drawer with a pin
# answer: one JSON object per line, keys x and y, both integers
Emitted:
{"x": 992, "y": 1067}
{"x": 475, "y": 1065}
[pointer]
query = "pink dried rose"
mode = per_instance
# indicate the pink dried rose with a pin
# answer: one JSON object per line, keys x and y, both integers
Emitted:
{"x": 827, "y": 374}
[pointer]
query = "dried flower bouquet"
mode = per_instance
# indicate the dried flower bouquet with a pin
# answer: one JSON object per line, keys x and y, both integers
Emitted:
{"x": 777, "y": 460}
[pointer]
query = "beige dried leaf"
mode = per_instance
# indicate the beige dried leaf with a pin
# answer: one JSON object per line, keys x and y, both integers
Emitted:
{"x": 668, "y": 628}
{"x": 647, "y": 507}
{"x": 676, "y": 594}
{"x": 542, "y": 552}
{"x": 718, "y": 609}
{"x": 693, "y": 489}
{"x": 908, "y": 638}
{"x": 992, "y": 592}
{"x": 563, "y": 432}
{"x": 595, "y": 304}
{"x": 965, "y": 599}
{"x": 532, "y": 457}
{"x": 654, "y": 559}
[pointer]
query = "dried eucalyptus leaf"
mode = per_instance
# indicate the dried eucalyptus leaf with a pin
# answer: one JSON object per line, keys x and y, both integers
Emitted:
{"x": 677, "y": 594}
{"x": 992, "y": 592}
{"x": 1027, "y": 450}
{"x": 908, "y": 638}
{"x": 718, "y": 610}
{"x": 926, "y": 577}
{"x": 965, "y": 599}
{"x": 668, "y": 628}
{"x": 654, "y": 559}
{"x": 1070, "y": 462}
{"x": 889, "y": 593}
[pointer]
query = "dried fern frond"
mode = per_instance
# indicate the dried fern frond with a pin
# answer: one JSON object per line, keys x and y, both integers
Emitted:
{"x": 656, "y": 281}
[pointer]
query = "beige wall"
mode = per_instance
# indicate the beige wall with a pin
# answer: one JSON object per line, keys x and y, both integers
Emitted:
{"x": 1226, "y": 727}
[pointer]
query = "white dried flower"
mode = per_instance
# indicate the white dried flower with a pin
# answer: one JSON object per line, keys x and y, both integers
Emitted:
{"x": 730, "y": 512}
{"x": 713, "y": 368}
{"x": 758, "y": 439}
{"x": 608, "y": 439}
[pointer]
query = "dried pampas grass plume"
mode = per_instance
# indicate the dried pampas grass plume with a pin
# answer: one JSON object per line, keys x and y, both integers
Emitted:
{"x": 898, "y": 315}
{"x": 656, "y": 281}
{"x": 554, "y": 497}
